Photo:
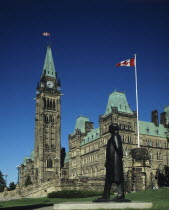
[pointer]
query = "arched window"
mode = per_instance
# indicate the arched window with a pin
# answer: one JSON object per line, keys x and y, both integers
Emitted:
{"x": 44, "y": 100}
{"x": 157, "y": 156}
{"x": 123, "y": 138}
{"x": 53, "y": 104}
{"x": 47, "y": 103}
{"x": 46, "y": 118}
{"x": 49, "y": 163}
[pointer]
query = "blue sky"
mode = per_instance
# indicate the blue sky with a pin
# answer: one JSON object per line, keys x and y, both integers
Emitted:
{"x": 88, "y": 38}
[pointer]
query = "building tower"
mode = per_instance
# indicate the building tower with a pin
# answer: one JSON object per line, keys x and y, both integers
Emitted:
{"x": 47, "y": 123}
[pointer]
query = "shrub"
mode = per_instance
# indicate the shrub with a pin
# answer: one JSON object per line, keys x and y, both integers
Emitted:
{"x": 73, "y": 194}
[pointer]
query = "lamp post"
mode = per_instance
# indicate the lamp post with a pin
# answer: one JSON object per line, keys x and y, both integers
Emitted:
{"x": 18, "y": 168}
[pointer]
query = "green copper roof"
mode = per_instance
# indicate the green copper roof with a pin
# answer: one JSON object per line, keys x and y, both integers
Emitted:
{"x": 49, "y": 66}
{"x": 25, "y": 159}
{"x": 28, "y": 158}
{"x": 91, "y": 136}
{"x": 118, "y": 99}
{"x": 32, "y": 155}
{"x": 149, "y": 128}
{"x": 166, "y": 109}
{"x": 66, "y": 157}
{"x": 80, "y": 123}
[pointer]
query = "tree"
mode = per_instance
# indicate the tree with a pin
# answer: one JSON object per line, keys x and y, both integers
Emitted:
{"x": 2, "y": 182}
{"x": 28, "y": 181}
{"x": 12, "y": 186}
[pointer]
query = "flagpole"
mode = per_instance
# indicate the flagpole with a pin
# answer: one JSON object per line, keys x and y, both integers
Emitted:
{"x": 138, "y": 137}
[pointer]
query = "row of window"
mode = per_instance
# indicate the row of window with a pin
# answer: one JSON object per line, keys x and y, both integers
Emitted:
{"x": 158, "y": 155}
{"x": 126, "y": 139}
{"x": 89, "y": 148}
{"x": 49, "y": 118}
{"x": 158, "y": 143}
{"x": 122, "y": 126}
{"x": 50, "y": 103}
{"x": 93, "y": 172}
{"x": 94, "y": 157}
{"x": 125, "y": 126}
{"x": 49, "y": 147}
{"x": 90, "y": 159}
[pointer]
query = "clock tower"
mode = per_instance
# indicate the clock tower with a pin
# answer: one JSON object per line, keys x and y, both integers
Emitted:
{"x": 47, "y": 123}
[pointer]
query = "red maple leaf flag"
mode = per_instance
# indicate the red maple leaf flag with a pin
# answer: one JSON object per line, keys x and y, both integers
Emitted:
{"x": 129, "y": 62}
{"x": 46, "y": 34}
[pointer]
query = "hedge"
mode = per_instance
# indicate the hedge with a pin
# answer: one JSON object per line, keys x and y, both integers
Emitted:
{"x": 73, "y": 194}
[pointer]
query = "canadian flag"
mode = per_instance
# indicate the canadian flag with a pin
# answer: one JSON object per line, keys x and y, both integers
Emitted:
{"x": 46, "y": 34}
{"x": 129, "y": 62}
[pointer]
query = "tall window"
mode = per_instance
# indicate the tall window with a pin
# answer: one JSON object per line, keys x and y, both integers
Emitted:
{"x": 53, "y": 104}
{"x": 49, "y": 163}
{"x": 44, "y": 102}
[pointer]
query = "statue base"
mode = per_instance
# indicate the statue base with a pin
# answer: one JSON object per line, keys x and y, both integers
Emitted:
{"x": 83, "y": 205}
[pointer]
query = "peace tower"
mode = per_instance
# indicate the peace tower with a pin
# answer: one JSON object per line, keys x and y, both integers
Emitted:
{"x": 47, "y": 123}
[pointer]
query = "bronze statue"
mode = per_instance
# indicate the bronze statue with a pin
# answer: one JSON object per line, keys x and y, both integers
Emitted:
{"x": 114, "y": 166}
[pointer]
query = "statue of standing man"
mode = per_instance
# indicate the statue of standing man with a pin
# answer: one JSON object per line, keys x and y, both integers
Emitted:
{"x": 114, "y": 166}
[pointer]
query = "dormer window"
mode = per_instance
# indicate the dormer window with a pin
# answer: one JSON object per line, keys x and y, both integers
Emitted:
{"x": 120, "y": 106}
{"x": 157, "y": 131}
{"x": 147, "y": 129}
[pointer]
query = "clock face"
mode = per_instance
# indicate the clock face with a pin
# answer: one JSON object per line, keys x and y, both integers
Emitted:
{"x": 50, "y": 84}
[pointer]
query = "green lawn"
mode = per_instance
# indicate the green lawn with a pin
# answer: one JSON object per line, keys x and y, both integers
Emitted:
{"x": 160, "y": 200}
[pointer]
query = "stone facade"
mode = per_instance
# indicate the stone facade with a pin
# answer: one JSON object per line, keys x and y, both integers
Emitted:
{"x": 87, "y": 145}
{"x": 45, "y": 161}
{"x": 87, "y": 149}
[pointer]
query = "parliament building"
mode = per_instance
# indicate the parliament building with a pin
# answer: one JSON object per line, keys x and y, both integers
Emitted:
{"x": 87, "y": 145}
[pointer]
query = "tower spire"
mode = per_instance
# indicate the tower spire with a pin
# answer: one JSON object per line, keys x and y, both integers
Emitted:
{"x": 49, "y": 67}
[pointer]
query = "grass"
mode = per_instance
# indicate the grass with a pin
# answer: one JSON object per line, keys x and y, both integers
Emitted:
{"x": 158, "y": 198}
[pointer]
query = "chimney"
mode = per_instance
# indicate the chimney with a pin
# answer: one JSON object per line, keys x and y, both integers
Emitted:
{"x": 154, "y": 117}
{"x": 163, "y": 119}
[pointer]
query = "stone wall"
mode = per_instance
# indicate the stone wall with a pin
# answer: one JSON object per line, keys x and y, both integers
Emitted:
{"x": 41, "y": 190}
{"x": 31, "y": 191}
{"x": 84, "y": 183}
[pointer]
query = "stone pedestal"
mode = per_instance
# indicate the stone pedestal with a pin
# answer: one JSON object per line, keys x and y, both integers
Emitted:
{"x": 140, "y": 169}
{"x": 105, "y": 205}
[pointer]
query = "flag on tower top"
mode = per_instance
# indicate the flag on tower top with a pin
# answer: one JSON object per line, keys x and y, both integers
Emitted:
{"x": 129, "y": 62}
{"x": 46, "y": 34}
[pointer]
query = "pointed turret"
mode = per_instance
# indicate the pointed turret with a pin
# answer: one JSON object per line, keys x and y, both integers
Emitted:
{"x": 49, "y": 67}
{"x": 58, "y": 85}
